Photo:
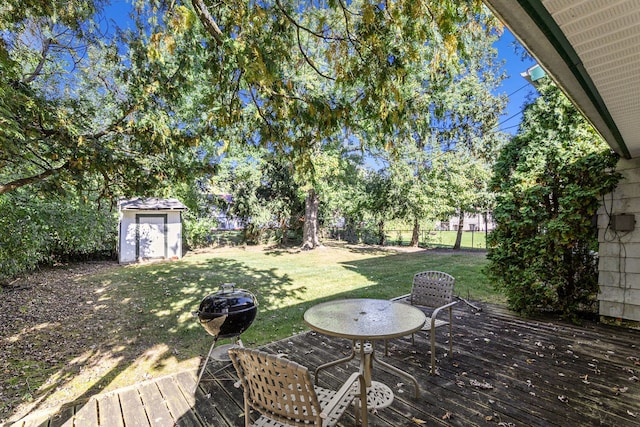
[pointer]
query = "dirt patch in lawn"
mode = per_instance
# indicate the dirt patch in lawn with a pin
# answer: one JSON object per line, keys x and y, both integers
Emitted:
{"x": 64, "y": 339}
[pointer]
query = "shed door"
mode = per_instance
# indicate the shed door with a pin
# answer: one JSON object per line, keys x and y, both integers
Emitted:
{"x": 152, "y": 236}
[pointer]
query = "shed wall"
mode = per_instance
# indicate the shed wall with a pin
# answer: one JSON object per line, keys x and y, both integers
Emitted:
{"x": 129, "y": 249}
{"x": 619, "y": 251}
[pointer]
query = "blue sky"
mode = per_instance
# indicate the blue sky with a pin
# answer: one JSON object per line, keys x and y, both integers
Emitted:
{"x": 514, "y": 85}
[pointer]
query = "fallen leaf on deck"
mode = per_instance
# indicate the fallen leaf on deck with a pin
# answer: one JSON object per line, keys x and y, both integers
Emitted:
{"x": 479, "y": 384}
{"x": 447, "y": 416}
{"x": 418, "y": 421}
{"x": 563, "y": 399}
{"x": 631, "y": 413}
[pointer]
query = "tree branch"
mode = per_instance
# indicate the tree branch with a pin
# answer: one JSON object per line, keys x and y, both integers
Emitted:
{"x": 207, "y": 20}
{"x": 10, "y": 186}
{"x": 261, "y": 114}
{"x": 45, "y": 49}
{"x": 308, "y": 60}
{"x": 306, "y": 29}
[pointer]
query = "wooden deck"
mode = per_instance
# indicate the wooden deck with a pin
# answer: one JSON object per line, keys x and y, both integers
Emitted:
{"x": 506, "y": 371}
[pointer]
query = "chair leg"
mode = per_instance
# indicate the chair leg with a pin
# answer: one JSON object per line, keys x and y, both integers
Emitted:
{"x": 433, "y": 352}
{"x": 450, "y": 333}
{"x": 247, "y": 410}
{"x": 450, "y": 341}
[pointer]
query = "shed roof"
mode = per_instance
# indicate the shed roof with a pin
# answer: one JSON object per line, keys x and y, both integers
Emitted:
{"x": 152, "y": 204}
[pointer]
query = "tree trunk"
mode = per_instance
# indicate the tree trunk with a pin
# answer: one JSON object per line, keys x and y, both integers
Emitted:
{"x": 382, "y": 240}
{"x": 456, "y": 246}
{"x": 284, "y": 229}
{"x": 310, "y": 229}
{"x": 415, "y": 237}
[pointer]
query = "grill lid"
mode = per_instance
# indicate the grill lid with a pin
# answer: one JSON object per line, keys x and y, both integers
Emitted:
{"x": 227, "y": 312}
{"x": 226, "y": 301}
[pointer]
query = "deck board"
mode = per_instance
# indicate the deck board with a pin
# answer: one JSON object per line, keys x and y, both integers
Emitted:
{"x": 505, "y": 370}
{"x": 109, "y": 410}
{"x": 86, "y": 414}
{"x": 180, "y": 408}
{"x": 155, "y": 406}
{"x": 133, "y": 411}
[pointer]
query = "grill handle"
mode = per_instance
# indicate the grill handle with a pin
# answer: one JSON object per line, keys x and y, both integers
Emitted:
{"x": 228, "y": 287}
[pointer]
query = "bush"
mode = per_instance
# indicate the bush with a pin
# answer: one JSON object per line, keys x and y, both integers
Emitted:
{"x": 549, "y": 180}
{"x": 197, "y": 231}
{"x": 38, "y": 231}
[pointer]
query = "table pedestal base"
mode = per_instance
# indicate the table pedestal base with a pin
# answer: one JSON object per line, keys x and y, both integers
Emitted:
{"x": 379, "y": 395}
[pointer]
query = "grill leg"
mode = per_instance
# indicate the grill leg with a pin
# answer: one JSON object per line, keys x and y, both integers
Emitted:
{"x": 204, "y": 365}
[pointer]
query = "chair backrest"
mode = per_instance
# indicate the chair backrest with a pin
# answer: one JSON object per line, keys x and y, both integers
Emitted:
{"x": 432, "y": 289}
{"x": 277, "y": 388}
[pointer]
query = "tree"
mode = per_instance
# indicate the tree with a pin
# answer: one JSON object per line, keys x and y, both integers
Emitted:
{"x": 88, "y": 113}
{"x": 84, "y": 106}
{"x": 549, "y": 179}
{"x": 310, "y": 75}
{"x": 467, "y": 180}
{"x": 465, "y": 130}
{"x": 263, "y": 192}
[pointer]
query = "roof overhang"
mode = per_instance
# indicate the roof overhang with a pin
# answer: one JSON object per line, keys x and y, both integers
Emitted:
{"x": 151, "y": 204}
{"x": 592, "y": 50}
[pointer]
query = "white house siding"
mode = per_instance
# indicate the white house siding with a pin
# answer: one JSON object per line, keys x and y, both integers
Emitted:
{"x": 619, "y": 252}
{"x": 472, "y": 222}
{"x": 129, "y": 245}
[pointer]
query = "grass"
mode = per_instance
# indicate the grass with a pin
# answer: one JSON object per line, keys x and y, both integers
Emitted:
{"x": 285, "y": 282}
{"x": 470, "y": 239}
{"x": 136, "y": 322}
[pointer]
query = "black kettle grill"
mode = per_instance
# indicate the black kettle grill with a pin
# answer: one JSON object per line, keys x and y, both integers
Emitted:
{"x": 226, "y": 314}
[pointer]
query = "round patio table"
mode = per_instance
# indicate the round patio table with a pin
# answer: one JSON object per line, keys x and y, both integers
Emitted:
{"x": 363, "y": 321}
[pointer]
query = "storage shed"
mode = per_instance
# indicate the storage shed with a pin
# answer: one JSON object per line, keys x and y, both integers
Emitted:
{"x": 149, "y": 229}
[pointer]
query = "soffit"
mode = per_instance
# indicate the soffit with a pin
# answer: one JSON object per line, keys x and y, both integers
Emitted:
{"x": 592, "y": 49}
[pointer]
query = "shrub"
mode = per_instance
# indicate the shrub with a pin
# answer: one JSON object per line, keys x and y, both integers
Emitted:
{"x": 549, "y": 180}
{"x": 43, "y": 231}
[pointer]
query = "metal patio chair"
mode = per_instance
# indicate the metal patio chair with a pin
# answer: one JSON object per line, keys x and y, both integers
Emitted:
{"x": 282, "y": 392}
{"x": 433, "y": 290}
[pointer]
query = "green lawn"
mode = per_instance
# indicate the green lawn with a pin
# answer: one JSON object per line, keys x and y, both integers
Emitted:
{"x": 439, "y": 239}
{"x": 287, "y": 282}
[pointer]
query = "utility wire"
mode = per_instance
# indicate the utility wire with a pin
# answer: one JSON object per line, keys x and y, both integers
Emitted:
{"x": 518, "y": 90}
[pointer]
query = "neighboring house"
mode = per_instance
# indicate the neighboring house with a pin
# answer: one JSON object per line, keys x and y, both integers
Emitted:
{"x": 225, "y": 220}
{"x": 592, "y": 50}
{"x": 471, "y": 222}
{"x": 149, "y": 229}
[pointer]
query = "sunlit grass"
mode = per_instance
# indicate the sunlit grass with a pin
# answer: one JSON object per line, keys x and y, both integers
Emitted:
{"x": 285, "y": 282}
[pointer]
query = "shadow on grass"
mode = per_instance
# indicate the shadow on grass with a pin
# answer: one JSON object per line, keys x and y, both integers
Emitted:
{"x": 118, "y": 323}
